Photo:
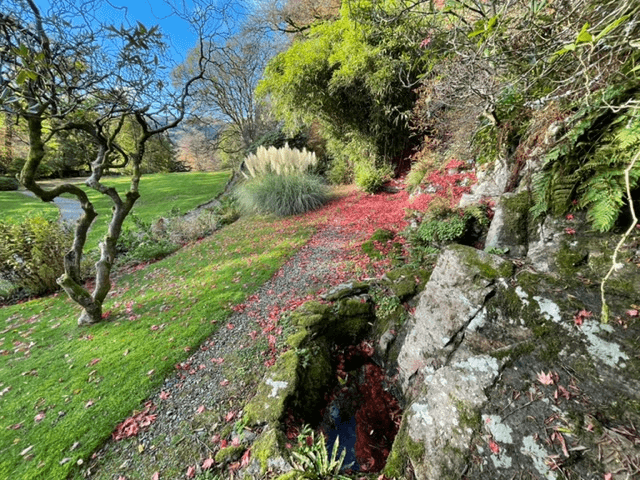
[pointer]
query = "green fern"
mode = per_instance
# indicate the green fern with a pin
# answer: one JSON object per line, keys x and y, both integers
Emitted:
{"x": 586, "y": 167}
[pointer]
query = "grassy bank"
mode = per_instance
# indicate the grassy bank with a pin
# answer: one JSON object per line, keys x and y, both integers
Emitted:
{"x": 63, "y": 389}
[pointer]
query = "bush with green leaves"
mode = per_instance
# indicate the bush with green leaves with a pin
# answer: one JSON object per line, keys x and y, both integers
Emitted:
{"x": 370, "y": 177}
{"x": 445, "y": 225}
{"x": 354, "y": 77}
{"x": 279, "y": 161}
{"x": 32, "y": 252}
{"x": 282, "y": 195}
{"x": 8, "y": 184}
{"x": 144, "y": 241}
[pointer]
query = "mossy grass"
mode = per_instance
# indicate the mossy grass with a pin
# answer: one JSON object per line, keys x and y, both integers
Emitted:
{"x": 87, "y": 380}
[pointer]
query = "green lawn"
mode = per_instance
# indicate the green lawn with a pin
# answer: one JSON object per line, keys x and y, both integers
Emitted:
{"x": 16, "y": 206}
{"x": 63, "y": 389}
{"x": 160, "y": 194}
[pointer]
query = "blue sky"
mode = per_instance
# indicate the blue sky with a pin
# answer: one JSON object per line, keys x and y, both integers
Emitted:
{"x": 178, "y": 32}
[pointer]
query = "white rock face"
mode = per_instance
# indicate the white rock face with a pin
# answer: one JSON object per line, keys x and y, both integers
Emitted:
{"x": 437, "y": 417}
{"x": 453, "y": 299}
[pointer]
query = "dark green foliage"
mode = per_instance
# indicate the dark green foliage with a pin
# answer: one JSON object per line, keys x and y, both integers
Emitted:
{"x": 282, "y": 195}
{"x": 586, "y": 168}
{"x": 143, "y": 242}
{"x": 8, "y": 184}
{"x": 228, "y": 210}
{"x": 445, "y": 225}
{"x": 31, "y": 253}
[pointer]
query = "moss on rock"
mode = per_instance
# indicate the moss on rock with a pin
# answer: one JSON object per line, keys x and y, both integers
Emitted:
{"x": 267, "y": 446}
{"x": 270, "y": 402}
{"x": 404, "y": 451}
{"x": 229, "y": 454}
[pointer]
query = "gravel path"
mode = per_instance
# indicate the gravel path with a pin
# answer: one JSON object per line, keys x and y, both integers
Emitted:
{"x": 208, "y": 391}
{"x": 70, "y": 209}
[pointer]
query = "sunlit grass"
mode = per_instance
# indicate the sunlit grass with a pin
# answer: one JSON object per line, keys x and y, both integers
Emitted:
{"x": 16, "y": 206}
{"x": 84, "y": 381}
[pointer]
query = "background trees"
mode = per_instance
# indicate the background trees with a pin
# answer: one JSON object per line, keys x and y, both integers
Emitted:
{"x": 223, "y": 105}
{"x": 64, "y": 72}
{"x": 355, "y": 78}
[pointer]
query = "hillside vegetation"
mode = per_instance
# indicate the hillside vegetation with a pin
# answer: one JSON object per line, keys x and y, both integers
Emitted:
{"x": 549, "y": 87}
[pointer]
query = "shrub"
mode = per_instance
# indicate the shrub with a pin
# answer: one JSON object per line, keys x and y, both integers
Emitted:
{"x": 182, "y": 230}
{"x": 280, "y": 161}
{"x": 8, "y": 184}
{"x": 144, "y": 242}
{"x": 282, "y": 195}
{"x": 443, "y": 225}
{"x": 369, "y": 177}
{"x": 426, "y": 163}
{"x": 32, "y": 252}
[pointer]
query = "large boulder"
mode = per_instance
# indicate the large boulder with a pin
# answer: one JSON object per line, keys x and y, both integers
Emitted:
{"x": 454, "y": 297}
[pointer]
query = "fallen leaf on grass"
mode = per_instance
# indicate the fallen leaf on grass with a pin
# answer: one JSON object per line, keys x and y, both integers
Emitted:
{"x": 93, "y": 362}
{"x": 230, "y": 416}
{"x": 632, "y": 313}
{"x": 39, "y": 417}
{"x": 155, "y": 476}
{"x": 191, "y": 471}
{"x": 26, "y": 450}
{"x": 201, "y": 409}
{"x": 230, "y": 326}
{"x": 88, "y": 404}
{"x": 208, "y": 463}
{"x": 15, "y": 426}
{"x": 224, "y": 383}
{"x": 218, "y": 361}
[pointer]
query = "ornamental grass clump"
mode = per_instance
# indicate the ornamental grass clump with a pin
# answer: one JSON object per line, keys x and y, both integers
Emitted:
{"x": 279, "y": 182}
{"x": 282, "y": 195}
{"x": 279, "y": 161}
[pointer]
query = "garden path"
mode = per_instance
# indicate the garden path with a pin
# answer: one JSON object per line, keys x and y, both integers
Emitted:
{"x": 205, "y": 396}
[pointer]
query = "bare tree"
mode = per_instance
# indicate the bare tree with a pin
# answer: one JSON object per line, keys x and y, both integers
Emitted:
{"x": 226, "y": 94}
{"x": 65, "y": 70}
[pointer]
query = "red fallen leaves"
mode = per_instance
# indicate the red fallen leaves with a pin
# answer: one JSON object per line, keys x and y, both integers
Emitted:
{"x": 545, "y": 378}
{"x": 191, "y": 471}
{"x": 494, "y": 447}
{"x": 93, "y": 362}
{"x": 230, "y": 416}
{"x": 570, "y": 231}
{"x": 164, "y": 395}
{"x": 224, "y": 383}
{"x": 581, "y": 316}
{"x": 132, "y": 425}
{"x": 38, "y": 418}
{"x": 201, "y": 409}
{"x": 208, "y": 463}
{"x": 218, "y": 361}
{"x": 155, "y": 476}
{"x": 377, "y": 421}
